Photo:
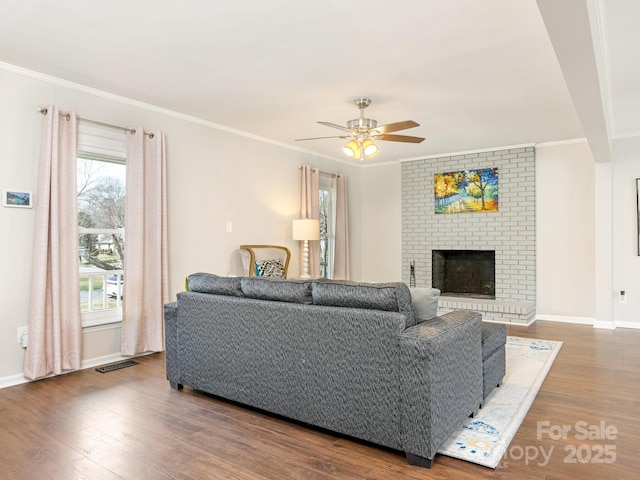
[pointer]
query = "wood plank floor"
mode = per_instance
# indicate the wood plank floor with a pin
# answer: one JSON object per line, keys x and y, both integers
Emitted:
{"x": 128, "y": 424}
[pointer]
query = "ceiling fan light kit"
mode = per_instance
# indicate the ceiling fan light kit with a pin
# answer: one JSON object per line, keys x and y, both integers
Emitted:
{"x": 362, "y": 131}
{"x": 369, "y": 148}
{"x": 352, "y": 149}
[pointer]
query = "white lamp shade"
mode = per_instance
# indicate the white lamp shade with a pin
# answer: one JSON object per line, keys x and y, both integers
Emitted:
{"x": 306, "y": 229}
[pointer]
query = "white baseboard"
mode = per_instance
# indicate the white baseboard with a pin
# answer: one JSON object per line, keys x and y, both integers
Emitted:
{"x": 588, "y": 321}
{"x": 12, "y": 380}
{"x": 567, "y": 319}
{"x": 605, "y": 325}
{"x": 19, "y": 379}
{"x": 515, "y": 324}
{"x": 634, "y": 325}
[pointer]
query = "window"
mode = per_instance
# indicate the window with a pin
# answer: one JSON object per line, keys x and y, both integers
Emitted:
{"x": 101, "y": 174}
{"x": 327, "y": 226}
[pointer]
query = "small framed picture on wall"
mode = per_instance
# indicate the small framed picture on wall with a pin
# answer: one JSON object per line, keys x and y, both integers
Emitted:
{"x": 17, "y": 198}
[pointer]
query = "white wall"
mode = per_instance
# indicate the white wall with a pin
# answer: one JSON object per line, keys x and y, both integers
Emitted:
{"x": 565, "y": 230}
{"x": 382, "y": 223}
{"x": 214, "y": 176}
{"x": 565, "y": 185}
{"x": 626, "y": 262}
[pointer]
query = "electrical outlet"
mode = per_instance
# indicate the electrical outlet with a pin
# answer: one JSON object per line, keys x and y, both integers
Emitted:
{"x": 622, "y": 298}
{"x": 23, "y": 336}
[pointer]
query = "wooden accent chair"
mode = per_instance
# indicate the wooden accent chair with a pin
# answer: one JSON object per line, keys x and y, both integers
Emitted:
{"x": 272, "y": 260}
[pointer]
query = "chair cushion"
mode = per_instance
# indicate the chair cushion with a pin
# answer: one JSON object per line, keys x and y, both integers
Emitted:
{"x": 273, "y": 267}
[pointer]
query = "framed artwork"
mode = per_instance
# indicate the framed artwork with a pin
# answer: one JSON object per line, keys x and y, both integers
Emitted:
{"x": 15, "y": 198}
{"x": 468, "y": 191}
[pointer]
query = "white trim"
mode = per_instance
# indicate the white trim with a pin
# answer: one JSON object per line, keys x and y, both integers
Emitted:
{"x": 107, "y": 317}
{"x": 381, "y": 164}
{"x": 535, "y": 145}
{"x": 633, "y": 325}
{"x": 189, "y": 118}
{"x": 107, "y": 231}
{"x": 622, "y": 136}
{"x": 567, "y": 319}
{"x": 600, "y": 42}
{"x": 12, "y": 380}
{"x": 19, "y": 379}
{"x": 465, "y": 152}
{"x": 561, "y": 142}
{"x": 604, "y": 325}
{"x": 152, "y": 108}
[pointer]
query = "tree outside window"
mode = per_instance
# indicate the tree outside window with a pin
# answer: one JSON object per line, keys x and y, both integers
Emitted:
{"x": 326, "y": 231}
{"x": 101, "y": 247}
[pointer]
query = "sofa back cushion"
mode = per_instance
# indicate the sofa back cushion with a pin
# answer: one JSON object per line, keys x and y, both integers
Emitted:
{"x": 390, "y": 297}
{"x": 280, "y": 290}
{"x": 210, "y": 283}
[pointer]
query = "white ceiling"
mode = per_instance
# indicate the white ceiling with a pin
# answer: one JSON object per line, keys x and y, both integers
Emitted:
{"x": 474, "y": 74}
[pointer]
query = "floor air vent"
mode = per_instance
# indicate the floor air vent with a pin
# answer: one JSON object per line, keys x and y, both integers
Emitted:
{"x": 116, "y": 366}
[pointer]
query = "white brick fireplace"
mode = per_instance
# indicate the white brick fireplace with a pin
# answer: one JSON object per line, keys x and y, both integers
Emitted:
{"x": 510, "y": 231}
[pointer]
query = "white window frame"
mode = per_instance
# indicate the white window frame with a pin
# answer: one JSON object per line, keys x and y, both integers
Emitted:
{"x": 92, "y": 318}
{"x": 327, "y": 185}
{"x": 102, "y": 144}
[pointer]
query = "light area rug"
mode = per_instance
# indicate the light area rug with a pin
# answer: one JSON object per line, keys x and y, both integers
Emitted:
{"x": 485, "y": 438}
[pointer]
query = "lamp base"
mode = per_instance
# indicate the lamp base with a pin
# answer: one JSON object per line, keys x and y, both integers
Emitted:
{"x": 305, "y": 260}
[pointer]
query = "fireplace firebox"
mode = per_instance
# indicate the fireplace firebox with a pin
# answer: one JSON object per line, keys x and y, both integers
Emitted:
{"x": 465, "y": 273}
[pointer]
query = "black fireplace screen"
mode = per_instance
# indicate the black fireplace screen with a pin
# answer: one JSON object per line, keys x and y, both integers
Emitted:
{"x": 465, "y": 273}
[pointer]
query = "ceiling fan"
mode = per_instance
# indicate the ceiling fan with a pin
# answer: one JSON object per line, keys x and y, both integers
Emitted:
{"x": 362, "y": 131}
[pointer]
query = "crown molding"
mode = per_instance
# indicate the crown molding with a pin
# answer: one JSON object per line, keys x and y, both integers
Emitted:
{"x": 559, "y": 143}
{"x": 156, "y": 109}
{"x": 466, "y": 152}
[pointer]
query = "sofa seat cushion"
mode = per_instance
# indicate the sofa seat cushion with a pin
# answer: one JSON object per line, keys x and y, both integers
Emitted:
{"x": 279, "y": 290}
{"x": 210, "y": 283}
{"x": 390, "y": 297}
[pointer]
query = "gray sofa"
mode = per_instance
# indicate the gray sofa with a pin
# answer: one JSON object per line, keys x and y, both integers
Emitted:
{"x": 347, "y": 357}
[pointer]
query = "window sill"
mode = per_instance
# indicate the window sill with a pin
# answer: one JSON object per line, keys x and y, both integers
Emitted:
{"x": 102, "y": 318}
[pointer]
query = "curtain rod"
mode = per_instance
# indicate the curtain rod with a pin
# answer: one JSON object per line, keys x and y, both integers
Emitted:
{"x": 324, "y": 173}
{"x": 45, "y": 110}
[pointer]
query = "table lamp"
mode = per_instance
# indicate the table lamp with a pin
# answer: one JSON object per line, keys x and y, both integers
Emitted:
{"x": 306, "y": 229}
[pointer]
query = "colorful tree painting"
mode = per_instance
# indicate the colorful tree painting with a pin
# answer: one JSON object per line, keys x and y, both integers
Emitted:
{"x": 468, "y": 191}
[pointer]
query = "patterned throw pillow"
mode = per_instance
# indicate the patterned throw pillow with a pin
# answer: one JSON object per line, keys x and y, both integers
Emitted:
{"x": 270, "y": 268}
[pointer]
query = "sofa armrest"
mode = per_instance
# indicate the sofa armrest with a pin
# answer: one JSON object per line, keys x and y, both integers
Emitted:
{"x": 171, "y": 343}
{"x": 441, "y": 379}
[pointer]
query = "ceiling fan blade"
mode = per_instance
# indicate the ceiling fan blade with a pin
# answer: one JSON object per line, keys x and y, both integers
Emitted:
{"x": 335, "y": 125}
{"x": 399, "y": 138}
{"x": 394, "y": 127}
{"x": 319, "y": 138}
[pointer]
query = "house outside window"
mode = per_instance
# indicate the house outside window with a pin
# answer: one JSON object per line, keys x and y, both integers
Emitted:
{"x": 327, "y": 226}
{"x": 101, "y": 176}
